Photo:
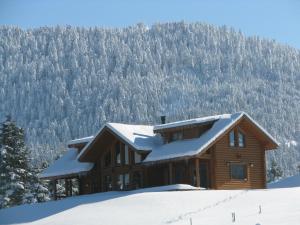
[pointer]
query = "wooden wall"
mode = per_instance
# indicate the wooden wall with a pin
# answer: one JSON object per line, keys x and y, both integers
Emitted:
{"x": 253, "y": 155}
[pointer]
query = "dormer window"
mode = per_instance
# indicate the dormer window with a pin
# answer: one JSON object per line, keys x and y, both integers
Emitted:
{"x": 177, "y": 136}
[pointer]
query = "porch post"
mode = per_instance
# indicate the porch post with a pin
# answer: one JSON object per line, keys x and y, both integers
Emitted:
{"x": 197, "y": 172}
{"x": 70, "y": 186}
{"x": 54, "y": 189}
{"x": 66, "y": 187}
{"x": 170, "y": 173}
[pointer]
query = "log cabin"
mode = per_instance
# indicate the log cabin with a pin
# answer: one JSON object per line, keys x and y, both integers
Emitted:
{"x": 216, "y": 152}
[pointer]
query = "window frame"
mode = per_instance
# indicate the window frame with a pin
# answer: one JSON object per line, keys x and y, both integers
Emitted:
{"x": 236, "y": 132}
{"x": 118, "y": 163}
{"x": 126, "y": 153}
{"x": 232, "y": 132}
{"x": 245, "y": 166}
{"x": 177, "y": 136}
{"x": 107, "y": 153}
{"x": 239, "y": 131}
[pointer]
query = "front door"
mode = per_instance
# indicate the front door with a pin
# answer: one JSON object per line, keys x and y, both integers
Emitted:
{"x": 204, "y": 179}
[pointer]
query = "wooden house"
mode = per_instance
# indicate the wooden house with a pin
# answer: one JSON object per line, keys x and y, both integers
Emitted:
{"x": 216, "y": 152}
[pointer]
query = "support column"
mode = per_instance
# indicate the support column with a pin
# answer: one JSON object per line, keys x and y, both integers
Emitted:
{"x": 170, "y": 173}
{"x": 54, "y": 189}
{"x": 197, "y": 172}
{"x": 70, "y": 186}
{"x": 67, "y": 187}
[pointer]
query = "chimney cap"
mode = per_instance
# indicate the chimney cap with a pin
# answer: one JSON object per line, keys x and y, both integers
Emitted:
{"x": 163, "y": 119}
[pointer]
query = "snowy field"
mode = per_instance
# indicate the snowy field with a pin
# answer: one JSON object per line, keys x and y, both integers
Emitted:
{"x": 159, "y": 206}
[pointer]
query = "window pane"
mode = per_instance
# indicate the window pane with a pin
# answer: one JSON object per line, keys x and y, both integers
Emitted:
{"x": 107, "y": 159}
{"x": 137, "y": 180}
{"x": 231, "y": 138}
{"x": 126, "y": 181}
{"x": 241, "y": 140}
{"x": 137, "y": 157}
{"x": 238, "y": 171}
{"x": 126, "y": 155}
{"x": 120, "y": 182}
{"x": 107, "y": 183}
{"x": 177, "y": 136}
{"x": 118, "y": 153}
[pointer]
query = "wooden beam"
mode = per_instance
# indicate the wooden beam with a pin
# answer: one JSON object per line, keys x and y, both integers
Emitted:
{"x": 70, "y": 185}
{"x": 197, "y": 172}
{"x": 54, "y": 189}
{"x": 67, "y": 187}
{"x": 170, "y": 173}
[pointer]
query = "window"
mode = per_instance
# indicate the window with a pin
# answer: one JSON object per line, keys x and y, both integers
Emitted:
{"x": 137, "y": 157}
{"x": 120, "y": 182}
{"x": 137, "y": 180}
{"x": 107, "y": 183}
{"x": 126, "y": 155}
{"x": 118, "y": 153}
{"x": 126, "y": 181}
{"x": 177, "y": 136}
{"x": 231, "y": 139}
{"x": 107, "y": 159}
{"x": 241, "y": 139}
{"x": 236, "y": 139}
{"x": 238, "y": 171}
{"x": 123, "y": 181}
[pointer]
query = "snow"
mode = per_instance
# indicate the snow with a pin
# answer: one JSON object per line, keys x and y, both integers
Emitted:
{"x": 141, "y": 137}
{"x": 293, "y": 181}
{"x": 203, "y": 207}
{"x": 80, "y": 140}
{"x": 190, "y": 147}
{"x": 187, "y": 122}
{"x": 66, "y": 165}
{"x": 291, "y": 143}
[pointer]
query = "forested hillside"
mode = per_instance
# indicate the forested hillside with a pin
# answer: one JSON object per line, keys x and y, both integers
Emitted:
{"x": 61, "y": 83}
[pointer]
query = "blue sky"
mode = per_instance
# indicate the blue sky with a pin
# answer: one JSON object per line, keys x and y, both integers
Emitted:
{"x": 275, "y": 19}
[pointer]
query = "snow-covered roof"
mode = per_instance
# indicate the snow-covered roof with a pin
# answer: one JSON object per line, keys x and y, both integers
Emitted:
{"x": 190, "y": 147}
{"x": 141, "y": 137}
{"x": 66, "y": 165}
{"x": 187, "y": 122}
{"x": 80, "y": 140}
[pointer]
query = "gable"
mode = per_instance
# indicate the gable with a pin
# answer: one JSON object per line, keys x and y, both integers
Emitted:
{"x": 138, "y": 137}
{"x": 197, "y": 146}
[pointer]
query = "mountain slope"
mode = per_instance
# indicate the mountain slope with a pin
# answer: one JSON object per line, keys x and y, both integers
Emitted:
{"x": 209, "y": 207}
{"x": 61, "y": 83}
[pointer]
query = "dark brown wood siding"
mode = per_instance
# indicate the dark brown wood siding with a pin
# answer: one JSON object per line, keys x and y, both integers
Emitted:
{"x": 252, "y": 155}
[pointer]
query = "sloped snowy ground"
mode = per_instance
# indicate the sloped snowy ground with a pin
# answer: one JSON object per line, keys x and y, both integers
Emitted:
{"x": 293, "y": 181}
{"x": 209, "y": 207}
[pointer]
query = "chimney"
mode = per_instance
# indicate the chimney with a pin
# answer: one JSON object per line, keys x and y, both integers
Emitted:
{"x": 163, "y": 119}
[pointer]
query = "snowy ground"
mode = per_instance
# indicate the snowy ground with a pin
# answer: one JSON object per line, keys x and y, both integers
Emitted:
{"x": 209, "y": 207}
{"x": 293, "y": 181}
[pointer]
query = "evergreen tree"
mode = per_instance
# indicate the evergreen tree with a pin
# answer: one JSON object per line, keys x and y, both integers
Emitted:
{"x": 275, "y": 172}
{"x": 18, "y": 183}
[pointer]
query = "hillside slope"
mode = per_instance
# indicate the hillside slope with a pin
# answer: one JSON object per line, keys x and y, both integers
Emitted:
{"x": 293, "y": 181}
{"x": 278, "y": 207}
{"x": 61, "y": 83}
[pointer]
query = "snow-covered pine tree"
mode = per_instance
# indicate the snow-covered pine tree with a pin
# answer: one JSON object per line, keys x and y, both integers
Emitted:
{"x": 40, "y": 188}
{"x": 19, "y": 183}
{"x": 13, "y": 164}
{"x": 275, "y": 172}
